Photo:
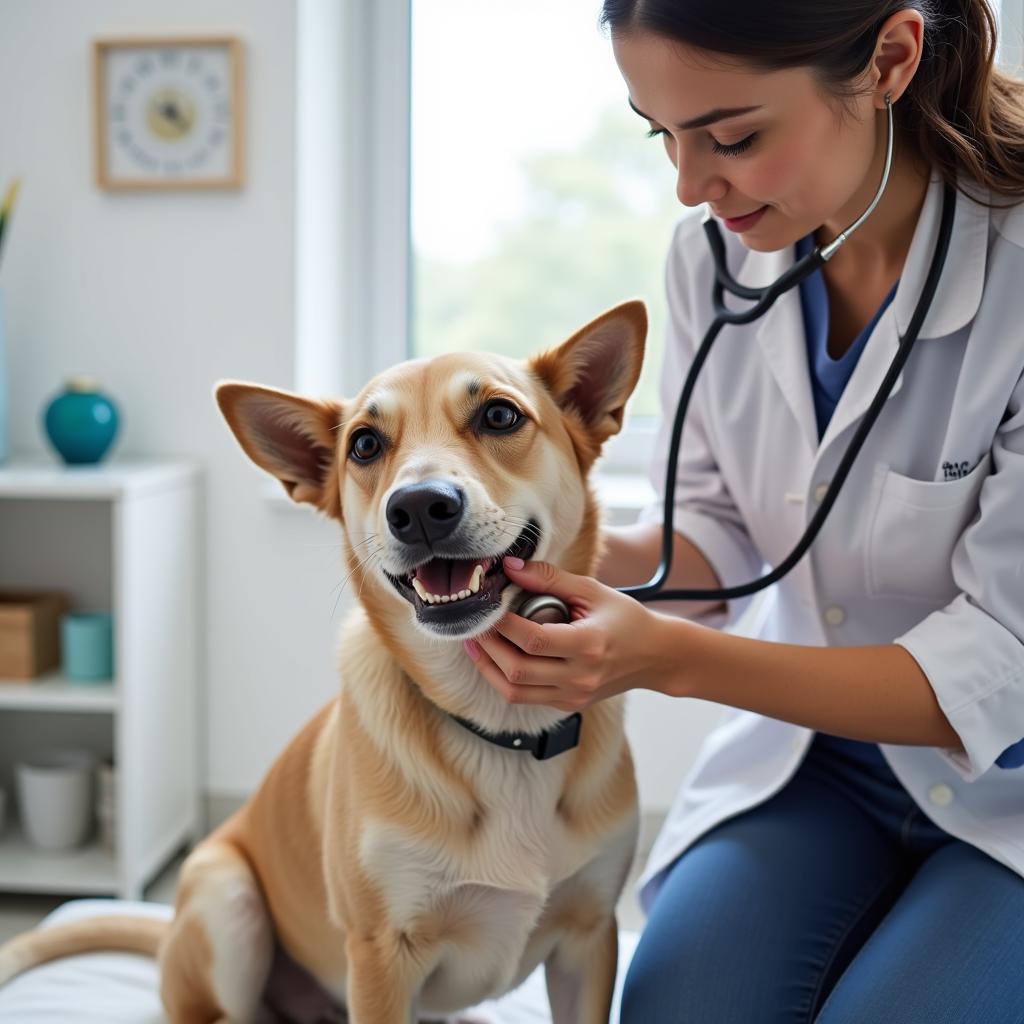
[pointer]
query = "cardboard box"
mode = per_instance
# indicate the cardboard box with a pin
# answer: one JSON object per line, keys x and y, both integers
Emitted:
{"x": 30, "y": 632}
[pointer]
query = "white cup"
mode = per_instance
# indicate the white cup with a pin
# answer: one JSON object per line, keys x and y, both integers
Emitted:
{"x": 55, "y": 793}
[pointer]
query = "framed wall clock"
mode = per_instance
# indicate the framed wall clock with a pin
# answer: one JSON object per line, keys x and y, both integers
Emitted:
{"x": 168, "y": 113}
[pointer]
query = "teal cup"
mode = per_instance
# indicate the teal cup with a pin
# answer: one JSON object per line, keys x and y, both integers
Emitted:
{"x": 87, "y": 646}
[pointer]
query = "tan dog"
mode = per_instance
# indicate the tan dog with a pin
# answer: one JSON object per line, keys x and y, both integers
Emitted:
{"x": 394, "y": 861}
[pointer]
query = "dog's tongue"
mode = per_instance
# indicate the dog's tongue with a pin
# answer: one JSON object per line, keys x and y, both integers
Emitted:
{"x": 448, "y": 576}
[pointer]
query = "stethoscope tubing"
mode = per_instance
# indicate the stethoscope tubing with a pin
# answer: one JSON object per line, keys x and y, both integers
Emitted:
{"x": 763, "y": 299}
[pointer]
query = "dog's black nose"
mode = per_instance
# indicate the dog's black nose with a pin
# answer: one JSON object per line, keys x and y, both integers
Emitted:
{"x": 426, "y": 512}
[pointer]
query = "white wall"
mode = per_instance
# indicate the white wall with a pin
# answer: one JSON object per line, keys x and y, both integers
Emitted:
{"x": 160, "y": 295}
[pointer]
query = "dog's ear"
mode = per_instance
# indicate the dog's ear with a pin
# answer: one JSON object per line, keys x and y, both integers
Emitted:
{"x": 291, "y": 437}
{"x": 595, "y": 371}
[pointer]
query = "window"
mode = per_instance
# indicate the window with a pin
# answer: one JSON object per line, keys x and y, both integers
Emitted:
{"x": 537, "y": 200}
{"x": 1011, "y": 35}
{"x": 534, "y": 201}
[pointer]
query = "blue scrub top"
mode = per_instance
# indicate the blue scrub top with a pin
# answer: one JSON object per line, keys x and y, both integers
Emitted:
{"x": 828, "y": 376}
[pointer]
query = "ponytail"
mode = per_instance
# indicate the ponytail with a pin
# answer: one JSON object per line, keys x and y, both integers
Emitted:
{"x": 966, "y": 115}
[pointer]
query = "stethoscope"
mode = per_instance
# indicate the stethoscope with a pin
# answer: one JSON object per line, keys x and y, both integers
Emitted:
{"x": 548, "y": 608}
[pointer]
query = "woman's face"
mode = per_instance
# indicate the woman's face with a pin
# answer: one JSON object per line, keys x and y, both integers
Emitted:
{"x": 789, "y": 153}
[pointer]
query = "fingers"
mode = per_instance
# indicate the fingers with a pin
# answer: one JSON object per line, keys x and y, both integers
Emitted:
{"x": 550, "y": 640}
{"x": 545, "y": 578}
{"x": 509, "y": 682}
{"x": 517, "y": 667}
{"x": 526, "y": 662}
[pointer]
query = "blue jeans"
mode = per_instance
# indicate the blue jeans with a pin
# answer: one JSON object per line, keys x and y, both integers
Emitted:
{"x": 835, "y": 901}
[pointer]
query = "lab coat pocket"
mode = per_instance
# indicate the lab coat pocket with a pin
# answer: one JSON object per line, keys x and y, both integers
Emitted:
{"x": 913, "y": 529}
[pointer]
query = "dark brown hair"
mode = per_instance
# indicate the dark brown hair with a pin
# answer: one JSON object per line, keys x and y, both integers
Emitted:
{"x": 960, "y": 112}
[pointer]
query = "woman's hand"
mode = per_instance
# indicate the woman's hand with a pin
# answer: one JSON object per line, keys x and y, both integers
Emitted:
{"x": 613, "y": 644}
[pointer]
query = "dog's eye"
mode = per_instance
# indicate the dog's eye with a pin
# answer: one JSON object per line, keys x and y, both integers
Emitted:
{"x": 500, "y": 416}
{"x": 366, "y": 446}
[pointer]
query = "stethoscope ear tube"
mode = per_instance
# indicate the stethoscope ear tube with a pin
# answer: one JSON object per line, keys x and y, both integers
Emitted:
{"x": 763, "y": 298}
{"x": 652, "y": 590}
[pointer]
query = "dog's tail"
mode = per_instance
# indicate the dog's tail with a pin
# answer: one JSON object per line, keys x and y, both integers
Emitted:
{"x": 41, "y": 945}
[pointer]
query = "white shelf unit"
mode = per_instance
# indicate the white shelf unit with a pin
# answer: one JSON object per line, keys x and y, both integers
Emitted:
{"x": 120, "y": 537}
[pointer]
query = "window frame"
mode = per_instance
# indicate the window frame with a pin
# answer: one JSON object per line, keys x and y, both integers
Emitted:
{"x": 353, "y": 200}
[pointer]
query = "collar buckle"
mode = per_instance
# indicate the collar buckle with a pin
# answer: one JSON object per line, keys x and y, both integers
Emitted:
{"x": 561, "y": 738}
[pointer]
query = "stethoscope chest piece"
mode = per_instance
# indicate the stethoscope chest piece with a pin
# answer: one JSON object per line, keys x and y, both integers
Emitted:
{"x": 544, "y": 608}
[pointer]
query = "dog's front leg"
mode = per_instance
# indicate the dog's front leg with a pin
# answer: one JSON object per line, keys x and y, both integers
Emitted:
{"x": 580, "y": 974}
{"x": 383, "y": 982}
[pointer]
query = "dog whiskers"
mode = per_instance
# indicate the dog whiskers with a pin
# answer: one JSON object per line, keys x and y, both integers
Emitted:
{"x": 531, "y": 532}
{"x": 360, "y": 560}
{"x": 524, "y": 523}
{"x": 365, "y": 540}
{"x": 360, "y": 563}
{"x": 355, "y": 547}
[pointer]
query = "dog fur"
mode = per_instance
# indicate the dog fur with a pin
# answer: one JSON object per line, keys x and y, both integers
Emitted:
{"x": 392, "y": 862}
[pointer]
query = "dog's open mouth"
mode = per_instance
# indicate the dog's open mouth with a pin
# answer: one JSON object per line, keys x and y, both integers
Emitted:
{"x": 448, "y": 591}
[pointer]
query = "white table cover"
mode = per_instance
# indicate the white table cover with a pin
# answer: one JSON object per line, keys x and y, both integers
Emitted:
{"x": 121, "y": 988}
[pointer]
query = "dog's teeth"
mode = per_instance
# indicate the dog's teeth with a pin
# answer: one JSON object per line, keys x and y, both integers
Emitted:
{"x": 428, "y": 598}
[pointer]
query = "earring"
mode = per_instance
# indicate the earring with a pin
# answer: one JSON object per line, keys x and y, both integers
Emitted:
{"x": 888, "y": 98}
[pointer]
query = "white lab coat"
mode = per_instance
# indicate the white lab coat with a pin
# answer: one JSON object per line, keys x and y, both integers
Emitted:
{"x": 925, "y": 545}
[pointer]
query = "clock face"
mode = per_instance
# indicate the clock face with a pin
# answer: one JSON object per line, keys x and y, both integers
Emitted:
{"x": 168, "y": 114}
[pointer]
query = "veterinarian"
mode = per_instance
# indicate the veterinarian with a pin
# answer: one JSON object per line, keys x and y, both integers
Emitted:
{"x": 849, "y": 845}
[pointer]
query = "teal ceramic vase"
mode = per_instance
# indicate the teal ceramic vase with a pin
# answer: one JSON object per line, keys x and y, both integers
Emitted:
{"x": 81, "y": 422}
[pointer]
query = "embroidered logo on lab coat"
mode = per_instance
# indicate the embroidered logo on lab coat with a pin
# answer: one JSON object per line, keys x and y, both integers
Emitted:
{"x": 955, "y": 470}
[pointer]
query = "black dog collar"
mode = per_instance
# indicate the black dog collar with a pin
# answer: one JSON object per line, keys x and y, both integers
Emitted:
{"x": 556, "y": 740}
